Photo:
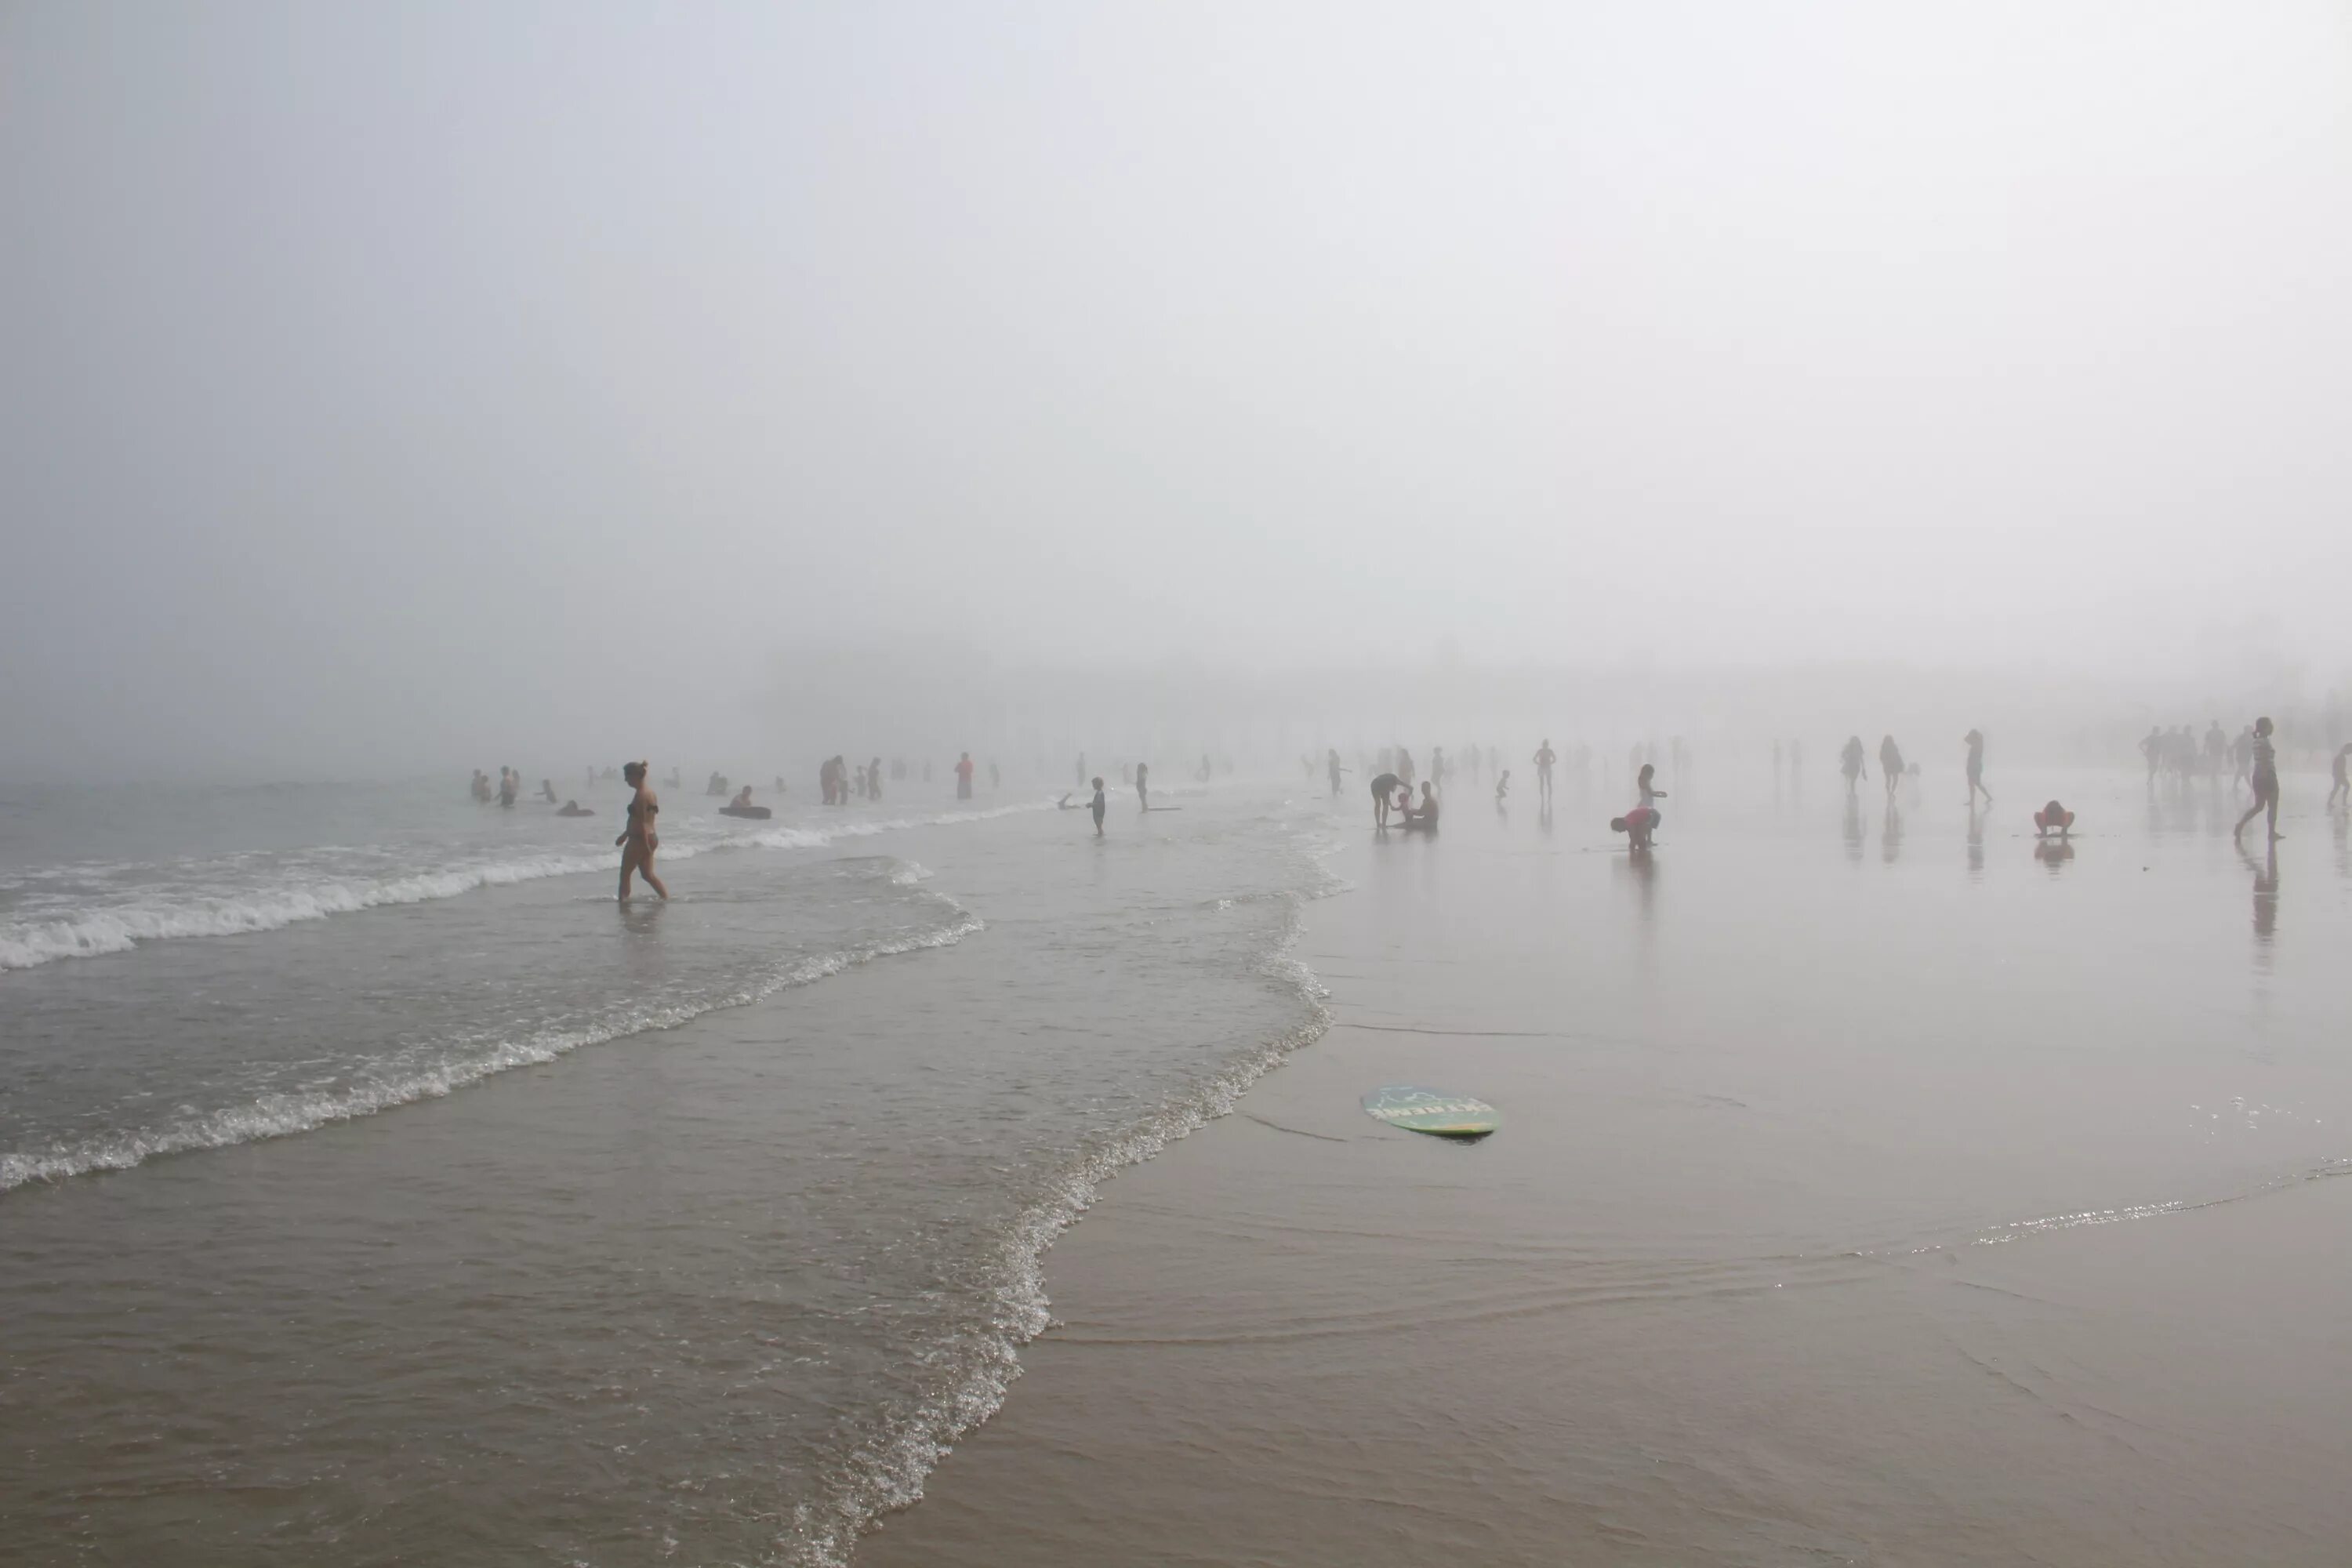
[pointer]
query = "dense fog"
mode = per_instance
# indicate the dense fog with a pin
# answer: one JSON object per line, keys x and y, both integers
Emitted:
{"x": 403, "y": 389}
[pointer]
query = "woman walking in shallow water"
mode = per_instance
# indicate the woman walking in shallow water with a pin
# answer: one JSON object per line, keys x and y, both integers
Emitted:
{"x": 638, "y": 840}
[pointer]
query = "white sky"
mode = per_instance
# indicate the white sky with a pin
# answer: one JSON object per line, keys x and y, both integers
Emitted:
{"x": 384, "y": 376}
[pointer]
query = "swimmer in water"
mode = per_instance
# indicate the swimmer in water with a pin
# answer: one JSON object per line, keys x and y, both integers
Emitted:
{"x": 1099, "y": 805}
{"x": 1384, "y": 789}
{"x": 638, "y": 840}
{"x": 573, "y": 808}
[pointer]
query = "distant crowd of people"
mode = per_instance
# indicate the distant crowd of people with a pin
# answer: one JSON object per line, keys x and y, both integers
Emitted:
{"x": 2249, "y": 759}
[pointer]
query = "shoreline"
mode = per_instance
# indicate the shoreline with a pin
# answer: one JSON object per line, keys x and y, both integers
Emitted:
{"x": 1620, "y": 1329}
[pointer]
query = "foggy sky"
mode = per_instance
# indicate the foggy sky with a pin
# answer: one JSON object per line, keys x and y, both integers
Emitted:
{"x": 434, "y": 381}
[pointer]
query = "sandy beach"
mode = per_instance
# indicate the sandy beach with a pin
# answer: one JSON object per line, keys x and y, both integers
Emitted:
{"x": 1843, "y": 1211}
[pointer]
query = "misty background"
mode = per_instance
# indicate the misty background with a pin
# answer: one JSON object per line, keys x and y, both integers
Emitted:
{"x": 439, "y": 385}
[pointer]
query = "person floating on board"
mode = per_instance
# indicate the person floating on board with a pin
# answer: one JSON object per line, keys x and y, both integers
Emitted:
{"x": 2053, "y": 818}
{"x": 638, "y": 840}
{"x": 1384, "y": 792}
{"x": 2266, "y": 782}
{"x": 1638, "y": 825}
{"x": 1099, "y": 805}
{"x": 742, "y": 801}
{"x": 1975, "y": 739}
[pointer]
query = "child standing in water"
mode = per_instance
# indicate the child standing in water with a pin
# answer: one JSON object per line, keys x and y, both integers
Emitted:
{"x": 2266, "y": 784}
{"x": 1099, "y": 805}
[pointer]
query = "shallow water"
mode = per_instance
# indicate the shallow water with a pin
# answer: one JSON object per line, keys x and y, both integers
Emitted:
{"x": 499, "y": 1224}
{"x": 1874, "y": 1185}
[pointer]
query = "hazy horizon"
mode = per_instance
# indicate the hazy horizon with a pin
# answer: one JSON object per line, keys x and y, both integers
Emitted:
{"x": 390, "y": 388}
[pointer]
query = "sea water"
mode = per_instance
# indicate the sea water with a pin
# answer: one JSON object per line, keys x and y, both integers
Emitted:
{"x": 374, "y": 1187}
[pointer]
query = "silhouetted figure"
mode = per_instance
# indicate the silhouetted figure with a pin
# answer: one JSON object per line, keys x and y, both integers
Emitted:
{"x": 995, "y": 779}
{"x": 1143, "y": 785}
{"x": 2152, "y": 748}
{"x": 1976, "y": 769}
{"x": 1849, "y": 762}
{"x": 1639, "y": 825}
{"x": 1099, "y": 805}
{"x": 1331, "y": 764}
{"x": 1437, "y": 766}
{"x": 2242, "y": 754}
{"x": 2217, "y": 751}
{"x": 547, "y": 791}
{"x": 1502, "y": 789}
{"x": 874, "y": 778}
{"x": 1207, "y": 770}
{"x": 638, "y": 840}
{"x": 1425, "y": 816}
{"x": 573, "y": 808}
{"x": 2341, "y": 783}
{"x": 1385, "y": 794}
{"x": 1404, "y": 764}
{"x": 2053, "y": 818}
{"x": 1645, "y": 782}
{"x": 963, "y": 776}
{"x": 2266, "y": 782}
{"x": 509, "y": 786}
{"x": 1545, "y": 757}
{"x": 1890, "y": 764}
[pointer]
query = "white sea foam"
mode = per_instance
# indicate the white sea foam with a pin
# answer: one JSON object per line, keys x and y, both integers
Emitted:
{"x": 281, "y": 1115}
{"x": 165, "y": 913}
{"x": 885, "y": 1472}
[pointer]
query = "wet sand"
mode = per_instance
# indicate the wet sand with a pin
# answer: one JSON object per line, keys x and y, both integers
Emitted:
{"x": 1863, "y": 1194}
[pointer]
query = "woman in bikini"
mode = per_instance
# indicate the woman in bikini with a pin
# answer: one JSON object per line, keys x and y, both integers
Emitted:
{"x": 638, "y": 840}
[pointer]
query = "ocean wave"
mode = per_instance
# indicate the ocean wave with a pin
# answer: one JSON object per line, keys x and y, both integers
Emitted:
{"x": 283, "y": 1115}
{"x": 885, "y": 1472}
{"x": 25, "y": 943}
